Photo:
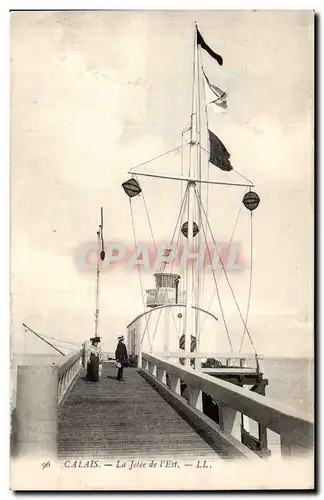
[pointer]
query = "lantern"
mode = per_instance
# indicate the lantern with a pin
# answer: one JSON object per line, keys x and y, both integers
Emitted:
{"x": 132, "y": 187}
{"x": 184, "y": 229}
{"x": 251, "y": 200}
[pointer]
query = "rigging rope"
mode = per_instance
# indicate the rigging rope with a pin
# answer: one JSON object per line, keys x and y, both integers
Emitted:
{"x": 221, "y": 269}
{"x": 250, "y": 284}
{"x": 61, "y": 340}
{"x": 152, "y": 235}
{"x": 229, "y": 284}
{"x": 218, "y": 296}
{"x": 164, "y": 296}
{"x": 243, "y": 176}
{"x": 172, "y": 264}
{"x": 164, "y": 263}
{"x": 148, "y": 217}
{"x": 238, "y": 173}
{"x": 70, "y": 349}
{"x": 156, "y": 326}
{"x": 159, "y": 156}
{"x": 138, "y": 267}
{"x": 186, "y": 129}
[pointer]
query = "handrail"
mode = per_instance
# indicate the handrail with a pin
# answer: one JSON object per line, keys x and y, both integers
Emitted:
{"x": 66, "y": 365}
{"x": 294, "y": 427}
{"x": 67, "y": 373}
{"x": 198, "y": 355}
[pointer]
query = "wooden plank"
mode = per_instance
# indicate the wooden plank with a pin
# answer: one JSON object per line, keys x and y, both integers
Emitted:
{"x": 128, "y": 419}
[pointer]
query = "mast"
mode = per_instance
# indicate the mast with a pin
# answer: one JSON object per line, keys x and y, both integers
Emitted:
{"x": 199, "y": 270}
{"x": 219, "y": 157}
{"x": 100, "y": 256}
{"x": 189, "y": 320}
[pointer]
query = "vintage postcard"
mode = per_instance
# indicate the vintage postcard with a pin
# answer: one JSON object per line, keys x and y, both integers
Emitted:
{"x": 162, "y": 229}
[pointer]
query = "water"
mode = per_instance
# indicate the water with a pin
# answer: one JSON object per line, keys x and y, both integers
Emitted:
{"x": 291, "y": 381}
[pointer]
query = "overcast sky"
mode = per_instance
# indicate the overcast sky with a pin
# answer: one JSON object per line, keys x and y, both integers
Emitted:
{"x": 94, "y": 94}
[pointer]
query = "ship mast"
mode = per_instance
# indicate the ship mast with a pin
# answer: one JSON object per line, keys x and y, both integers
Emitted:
{"x": 194, "y": 180}
{"x": 100, "y": 256}
{"x": 192, "y": 171}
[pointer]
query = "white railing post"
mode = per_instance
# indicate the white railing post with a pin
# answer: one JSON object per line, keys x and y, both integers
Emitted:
{"x": 230, "y": 421}
{"x": 194, "y": 398}
{"x": 161, "y": 375}
{"x": 144, "y": 363}
{"x": 152, "y": 368}
{"x": 175, "y": 385}
{"x": 234, "y": 403}
{"x": 67, "y": 373}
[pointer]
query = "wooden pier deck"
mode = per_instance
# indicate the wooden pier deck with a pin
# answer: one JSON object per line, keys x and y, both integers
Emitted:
{"x": 125, "y": 419}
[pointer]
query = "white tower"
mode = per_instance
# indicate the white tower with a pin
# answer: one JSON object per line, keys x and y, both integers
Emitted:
{"x": 166, "y": 291}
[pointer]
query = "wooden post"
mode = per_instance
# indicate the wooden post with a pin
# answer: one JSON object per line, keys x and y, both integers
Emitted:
{"x": 36, "y": 408}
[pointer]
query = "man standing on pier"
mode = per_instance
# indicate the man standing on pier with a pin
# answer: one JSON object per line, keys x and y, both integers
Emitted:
{"x": 121, "y": 357}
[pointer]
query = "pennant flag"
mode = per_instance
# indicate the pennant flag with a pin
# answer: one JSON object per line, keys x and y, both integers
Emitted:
{"x": 219, "y": 156}
{"x": 203, "y": 45}
{"x": 221, "y": 100}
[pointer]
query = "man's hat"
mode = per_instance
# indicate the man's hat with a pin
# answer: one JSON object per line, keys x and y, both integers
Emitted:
{"x": 95, "y": 339}
{"x": 121, "y": 337}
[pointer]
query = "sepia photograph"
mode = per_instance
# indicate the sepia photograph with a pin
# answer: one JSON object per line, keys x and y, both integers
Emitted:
{"x": 162, "y": 250}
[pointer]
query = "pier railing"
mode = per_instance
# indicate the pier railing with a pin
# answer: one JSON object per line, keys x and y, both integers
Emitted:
{"x": 295, "y": 429}
{"x": 67, "y": 373}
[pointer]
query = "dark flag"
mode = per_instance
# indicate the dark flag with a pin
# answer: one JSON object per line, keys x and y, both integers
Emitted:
{"x": 219, "y": 156}
{"x": 203, "y": 45}
{"x": 221, "y": 96}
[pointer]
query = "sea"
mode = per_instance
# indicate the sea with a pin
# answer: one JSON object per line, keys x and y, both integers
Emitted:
{"x": 290, "y": 381}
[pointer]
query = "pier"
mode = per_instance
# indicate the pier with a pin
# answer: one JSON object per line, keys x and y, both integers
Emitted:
{"x": 159, "y": 410}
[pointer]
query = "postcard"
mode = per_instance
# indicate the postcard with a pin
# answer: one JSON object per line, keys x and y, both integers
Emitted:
{"x": 162, "y": 229}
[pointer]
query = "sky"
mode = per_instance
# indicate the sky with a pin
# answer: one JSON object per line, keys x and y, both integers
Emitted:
{"x": 95, "y": 93}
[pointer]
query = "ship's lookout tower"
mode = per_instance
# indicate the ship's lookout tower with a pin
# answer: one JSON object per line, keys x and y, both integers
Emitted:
{"x": 166, "y": 290}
